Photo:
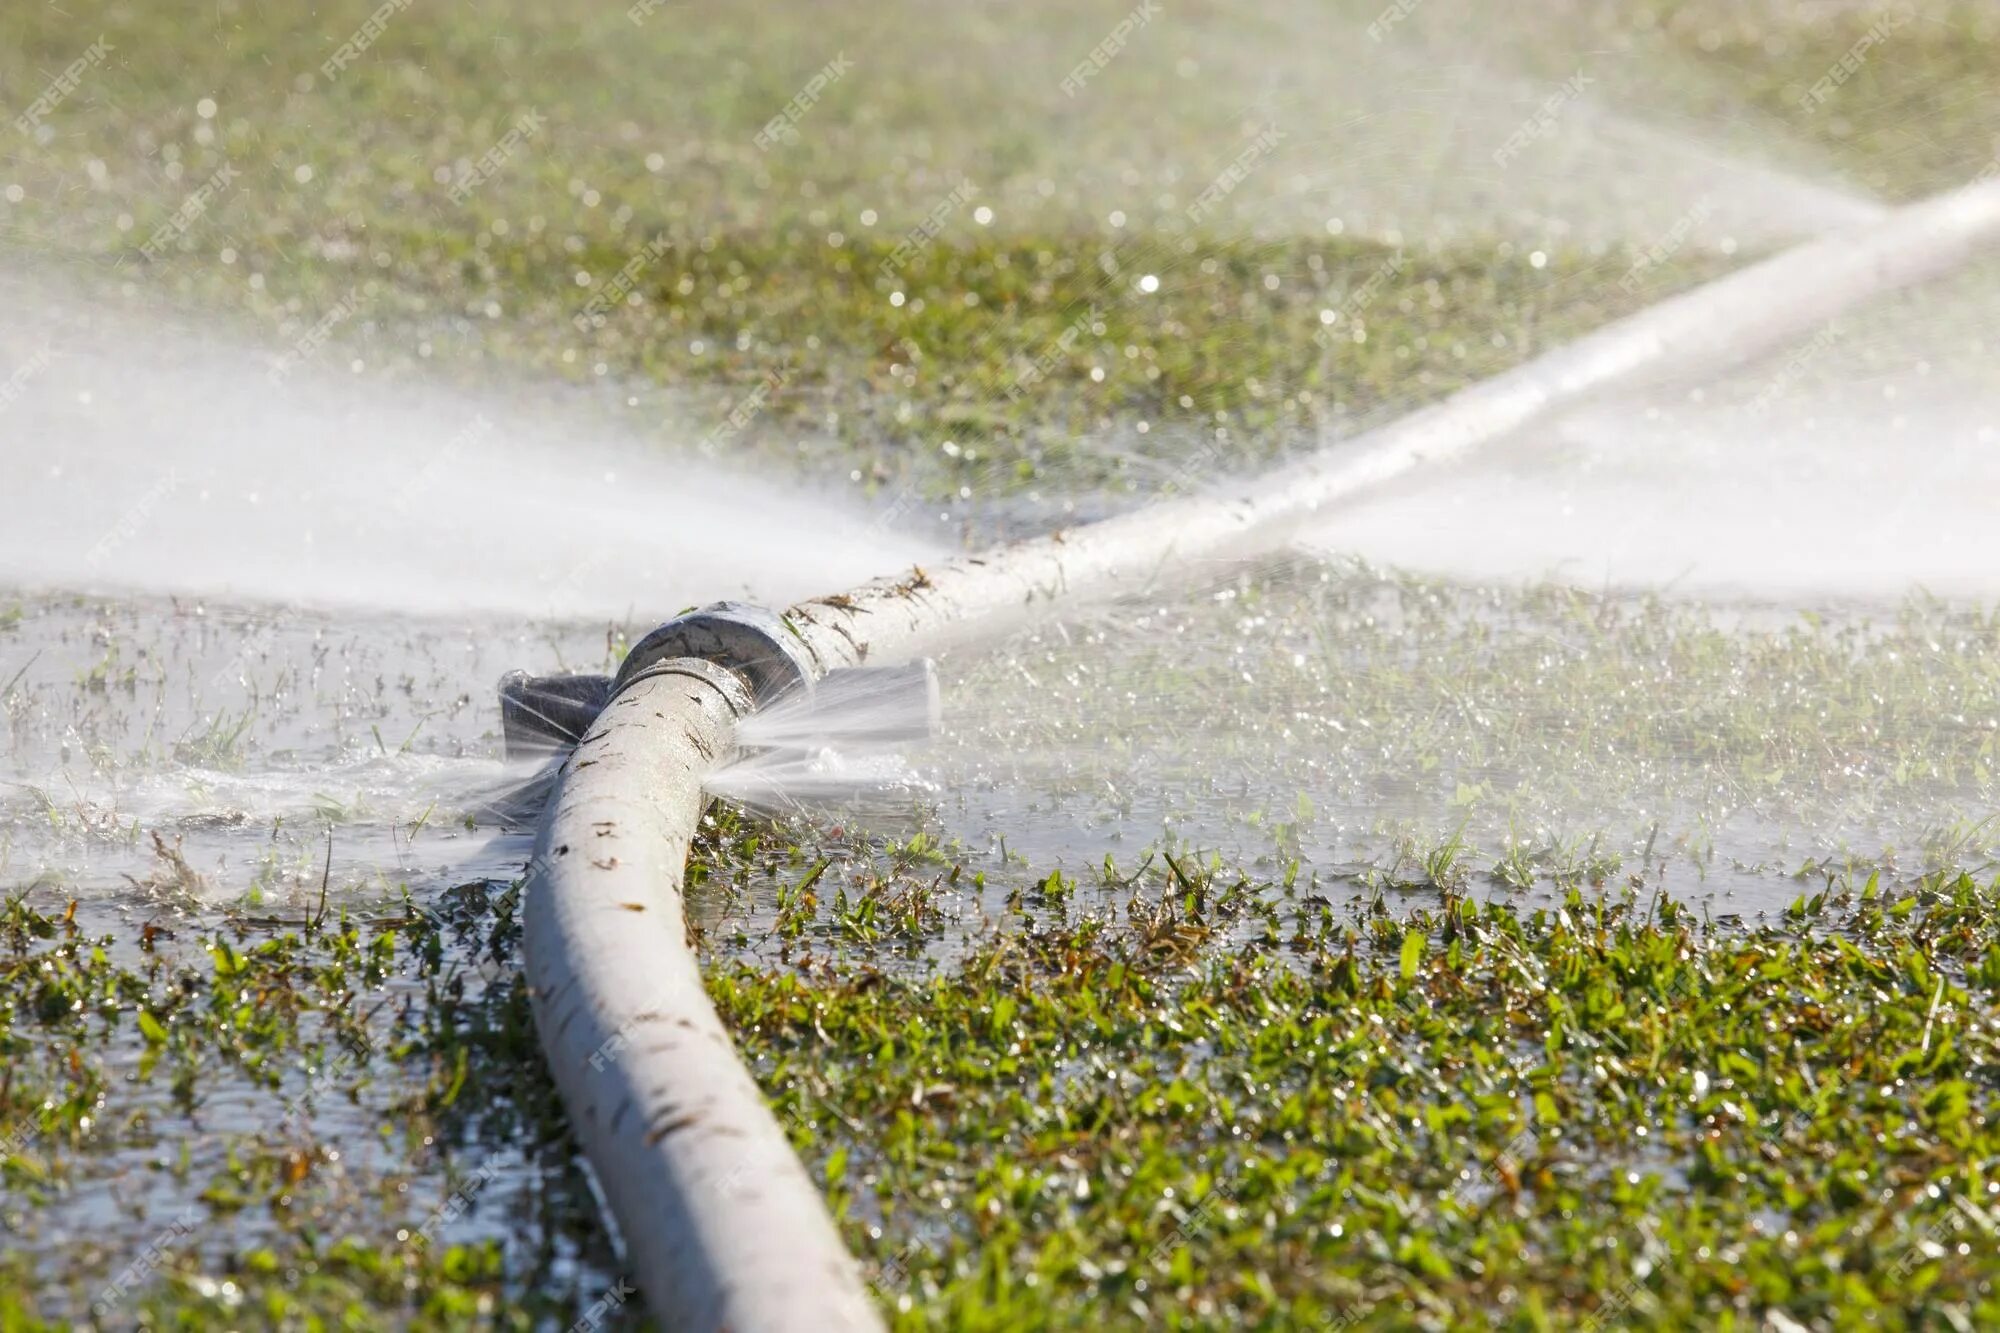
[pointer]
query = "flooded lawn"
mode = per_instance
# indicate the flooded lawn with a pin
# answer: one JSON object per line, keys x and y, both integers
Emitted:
{"x": 1436, "y": 938}
{"x": 1304, "y": 944}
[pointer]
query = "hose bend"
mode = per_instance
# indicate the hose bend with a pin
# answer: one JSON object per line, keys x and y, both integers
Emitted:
{"x": 722, "y": 1226}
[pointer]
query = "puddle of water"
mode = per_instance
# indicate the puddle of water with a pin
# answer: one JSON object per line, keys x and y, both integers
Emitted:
{"x": 1341, "y": 719}
{"x": 243, "y": 737}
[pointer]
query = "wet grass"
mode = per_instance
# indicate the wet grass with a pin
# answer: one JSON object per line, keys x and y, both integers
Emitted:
{"x": 1466, "y": 1039}
{"x": 1434, "y": 726}
{"x": 1914, "y": 114}
{"x": 1558, "y": 1080}
{"x": 266, "y": 1058}
{"x": 1176, "y": 1095}
{"x": 777, "y": 287}
{"x": 1599, "y": 1114}
{"x": 324, "y": 1119}
{"x": 316, "y": 1083}
{"x": 995, "y": 360}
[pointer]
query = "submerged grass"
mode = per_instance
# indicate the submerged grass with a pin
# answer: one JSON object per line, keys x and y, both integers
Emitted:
{"x": 1179, "y": 1097}
{"x": 1191, "y": 1091}
{"x": 300, "y": 1121}
{"x": 1344, "y": 719}
{"x": 1589, "y": 1115}
{"x": 1301, "y": 1039}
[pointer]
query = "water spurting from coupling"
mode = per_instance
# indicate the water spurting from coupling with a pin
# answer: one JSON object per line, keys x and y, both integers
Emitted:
{"x": 725, "y": 1228}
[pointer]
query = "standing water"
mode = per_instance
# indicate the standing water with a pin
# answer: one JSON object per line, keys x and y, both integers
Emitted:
{"x": 257, "y": 594}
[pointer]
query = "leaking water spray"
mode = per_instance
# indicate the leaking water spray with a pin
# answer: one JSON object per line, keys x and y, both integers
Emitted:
{"x": 813, "y": 741}
{"x": 723, "y": 1226}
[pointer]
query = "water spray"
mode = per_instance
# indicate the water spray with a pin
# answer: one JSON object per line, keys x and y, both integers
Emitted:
{"x": 724, "y": 1228}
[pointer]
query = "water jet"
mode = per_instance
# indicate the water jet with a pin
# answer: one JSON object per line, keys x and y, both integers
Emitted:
{"x": 723, "y": 1226}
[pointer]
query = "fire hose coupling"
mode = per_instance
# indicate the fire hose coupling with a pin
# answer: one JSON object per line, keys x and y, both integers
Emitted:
{"x": 749, "y": 640}
{"x": 543, "y": 715}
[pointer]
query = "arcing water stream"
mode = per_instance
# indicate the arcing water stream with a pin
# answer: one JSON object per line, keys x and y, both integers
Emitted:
{"x": 1767, "y": 483}
{"x": 159, "y": 455}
